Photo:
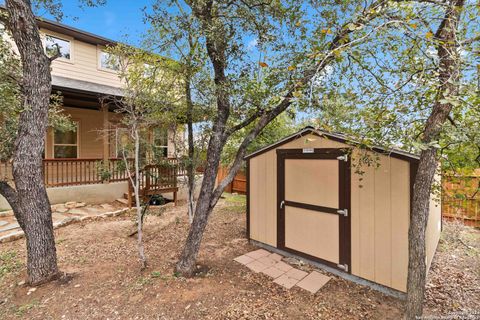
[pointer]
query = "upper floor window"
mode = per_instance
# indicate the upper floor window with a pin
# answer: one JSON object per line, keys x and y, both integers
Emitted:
{"x": 54, "y": 45}
{"x": 108, "y": 61}
{"x": 148, "y": 70}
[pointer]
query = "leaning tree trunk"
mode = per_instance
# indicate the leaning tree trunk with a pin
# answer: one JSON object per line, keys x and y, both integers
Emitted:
{"x": 448, "y": 75}
{"x": 30, "y": 202}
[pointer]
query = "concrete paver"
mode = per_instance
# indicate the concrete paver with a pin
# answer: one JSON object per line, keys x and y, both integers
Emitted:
{"x": 313, "y": 282}
{"x": 282, "y": 273}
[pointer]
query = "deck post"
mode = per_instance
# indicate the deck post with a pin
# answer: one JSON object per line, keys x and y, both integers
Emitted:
{"x": 106, "y": 152}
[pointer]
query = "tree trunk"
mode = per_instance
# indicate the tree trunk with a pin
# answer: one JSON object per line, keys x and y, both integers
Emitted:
{"x": 448, "y": 76}
{"x": 138, "y": 205}
{"x": 216, "y": 45}
{"x": 186, "y": 264}
{"x": 32, "y": 207}
{"x": 191, "y": 150}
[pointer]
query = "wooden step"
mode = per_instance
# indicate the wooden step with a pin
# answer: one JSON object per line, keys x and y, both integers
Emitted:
{"x": 124, "y": 201}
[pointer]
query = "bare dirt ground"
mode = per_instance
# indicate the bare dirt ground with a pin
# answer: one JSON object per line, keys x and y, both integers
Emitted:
{"x": 107, "y": 282}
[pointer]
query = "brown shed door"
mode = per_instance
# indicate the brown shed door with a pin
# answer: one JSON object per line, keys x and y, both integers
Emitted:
{"x": 313, "y": 208}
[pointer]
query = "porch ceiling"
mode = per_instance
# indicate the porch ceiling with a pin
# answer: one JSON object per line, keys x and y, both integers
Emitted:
{"x": 85, "y": 95}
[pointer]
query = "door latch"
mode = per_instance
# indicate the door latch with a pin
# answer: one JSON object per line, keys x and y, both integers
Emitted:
{"x": 282, "y": 204}
{"x": 343, "y": 212}
{"x": 344, "y": 267}
{"x": 343, "y": 158}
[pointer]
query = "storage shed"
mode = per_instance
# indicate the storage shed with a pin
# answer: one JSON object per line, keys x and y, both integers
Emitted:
{"x": 304, "y": 197}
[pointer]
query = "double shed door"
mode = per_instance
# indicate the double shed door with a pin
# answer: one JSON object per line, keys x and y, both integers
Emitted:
{"x": 313, "y": 217}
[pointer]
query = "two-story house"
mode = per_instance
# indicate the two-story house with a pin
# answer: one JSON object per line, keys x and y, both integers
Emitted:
{"x": 85, "y": 164}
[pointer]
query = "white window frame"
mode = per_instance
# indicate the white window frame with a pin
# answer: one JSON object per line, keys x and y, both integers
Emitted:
{"x": 61, "y": 37}
{"x": 162, "y": 146}
{"x": 77, "y": 124}
{"x": 101, "y": 50}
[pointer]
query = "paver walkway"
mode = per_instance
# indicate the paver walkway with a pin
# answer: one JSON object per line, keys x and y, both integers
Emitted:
{"x": 62, "y": 214}
{"x": 282, "y": 273}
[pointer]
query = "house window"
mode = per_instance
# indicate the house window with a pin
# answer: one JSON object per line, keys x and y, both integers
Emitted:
{"x": 54, "y": 45}
{"x": 160, "y": 142}
{"x": 65, "y": 143}
{"x": 148, "y": 70}
{"x": 108, "y": 61}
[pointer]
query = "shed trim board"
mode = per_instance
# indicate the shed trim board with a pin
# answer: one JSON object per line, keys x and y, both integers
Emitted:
{"x": 377, "y": 198}
{"x": 395, "y": 153}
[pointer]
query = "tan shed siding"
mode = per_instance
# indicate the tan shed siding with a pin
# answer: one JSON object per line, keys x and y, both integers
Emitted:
{"x": 380, "y": 211}
{"x": 400, "y": 204}
{"x": 83, "y": 65}
{"x": 380, "y": 205}
{"x": 382, "y": 218}
{"x": 434, "y": 224}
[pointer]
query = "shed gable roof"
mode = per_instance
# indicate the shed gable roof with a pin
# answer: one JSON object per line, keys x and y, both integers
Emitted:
{"x": 396, "y": 153}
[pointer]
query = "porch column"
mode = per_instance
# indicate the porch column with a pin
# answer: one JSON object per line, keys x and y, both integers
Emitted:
{"x": 106, "y": 150}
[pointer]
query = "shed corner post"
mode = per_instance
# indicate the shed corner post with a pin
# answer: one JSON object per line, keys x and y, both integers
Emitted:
{"x": 248, "y": 200}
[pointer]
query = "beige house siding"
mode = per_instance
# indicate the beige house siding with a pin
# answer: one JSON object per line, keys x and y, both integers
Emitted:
{"x": 90, "y": 125}
{"x": 84, "y": 63}
{"x": 380, "y": 208}
{"x": 90, "y": 134}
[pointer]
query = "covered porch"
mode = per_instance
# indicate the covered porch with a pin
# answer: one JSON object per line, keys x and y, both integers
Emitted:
{"x": 90, "y": 154}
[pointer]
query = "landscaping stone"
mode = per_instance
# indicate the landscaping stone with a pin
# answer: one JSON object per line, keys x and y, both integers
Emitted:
{"x": 10, "y": 230}
{"x": 94, "y": 211}
{"x": 78, "y": 212}
{"x": 107, "y": 206}
{"x": 80, "y": 204}
{"x": 8, "y": 213}
{"x": 10, "y": 226}
{"x": 123, "y": 201}
{"x": 70, "y": 205}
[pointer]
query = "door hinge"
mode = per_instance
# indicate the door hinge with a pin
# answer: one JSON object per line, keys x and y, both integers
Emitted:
{"x": 282, "y": 204}
{"x": 344, "y": 267}
{"x": 343, "y": 158}
{"x": 343, "y": 212}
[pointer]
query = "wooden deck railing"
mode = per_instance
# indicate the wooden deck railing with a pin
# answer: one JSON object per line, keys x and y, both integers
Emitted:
{"x": 156, "y": 179}
{"x": 74, "y": 172}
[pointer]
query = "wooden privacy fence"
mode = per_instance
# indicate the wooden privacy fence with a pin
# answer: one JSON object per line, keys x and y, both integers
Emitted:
{"x": 74, "y": 172}
{"x": 239, "y": 183}
{"x": 460, "y": 199}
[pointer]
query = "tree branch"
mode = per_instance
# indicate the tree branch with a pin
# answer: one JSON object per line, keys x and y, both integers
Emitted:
{"x": 9, "y": 193}
{"x": 245, "y": 122}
